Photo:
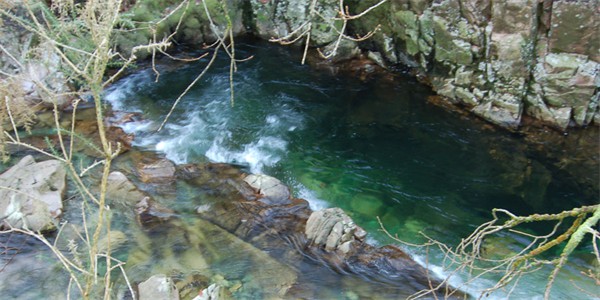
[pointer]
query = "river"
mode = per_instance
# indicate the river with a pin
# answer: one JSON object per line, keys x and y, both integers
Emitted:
{"x": 375, "y": 148}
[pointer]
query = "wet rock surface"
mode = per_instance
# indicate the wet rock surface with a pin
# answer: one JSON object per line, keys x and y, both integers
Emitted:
{"x": 161, "y": 171}
{"x": 331, "y": 229}
{"x": 270, "y": 189}
{"x": 295, "y": 233}
{"x": 121, "y": 191}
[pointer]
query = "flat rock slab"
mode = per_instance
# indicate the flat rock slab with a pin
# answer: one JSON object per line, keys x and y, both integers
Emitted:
{"x": 272, "y": 191}
{"x": 31, "y": 194}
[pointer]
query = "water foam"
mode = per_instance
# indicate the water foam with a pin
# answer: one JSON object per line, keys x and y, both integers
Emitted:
{"x": 118, "y": 93}
{"x": 309, "y": 195}
{"x": 266, "y": 151}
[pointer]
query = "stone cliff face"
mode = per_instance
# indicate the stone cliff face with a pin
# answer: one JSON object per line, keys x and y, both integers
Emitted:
{"x": 502, "y": 59}
{"x": 505, "y": 58}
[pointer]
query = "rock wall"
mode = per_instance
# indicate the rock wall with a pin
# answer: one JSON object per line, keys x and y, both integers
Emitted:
{"x": 501, "y": 59}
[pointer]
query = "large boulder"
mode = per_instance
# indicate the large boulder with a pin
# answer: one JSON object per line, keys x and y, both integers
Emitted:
{"x": 31, "y": 194}
{"x": 123, "y": 193}
{"x": 332, "y": 229}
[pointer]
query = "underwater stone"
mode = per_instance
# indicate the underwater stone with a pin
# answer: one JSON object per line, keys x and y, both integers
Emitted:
{"x": 161, "y": 171}
{"x": 366, "y": 204}
{"x": 121, "y": 191}
{"x": 117, "y": 240}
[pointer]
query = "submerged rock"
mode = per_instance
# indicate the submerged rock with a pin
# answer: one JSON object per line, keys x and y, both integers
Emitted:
{"x": 160, "y": 171}
{"x": 121, "y": 192}
{"x": 117, "y": 240}
{"x": 31, "y": 194}
{"x": 149, "y": 213}
{"x": 292, "y": 231}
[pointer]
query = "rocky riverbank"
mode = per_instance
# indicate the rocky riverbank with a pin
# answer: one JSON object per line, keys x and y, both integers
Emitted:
{"x": 253, "y": 213}
{"x": 500, "y": 60}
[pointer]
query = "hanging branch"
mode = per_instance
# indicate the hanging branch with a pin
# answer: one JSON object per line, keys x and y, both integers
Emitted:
{"x": 467, "y": 256}
{"x": 304, "y": 30}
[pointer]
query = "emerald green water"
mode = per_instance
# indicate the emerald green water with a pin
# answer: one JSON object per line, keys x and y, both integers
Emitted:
{"x": 374, "y": 148}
